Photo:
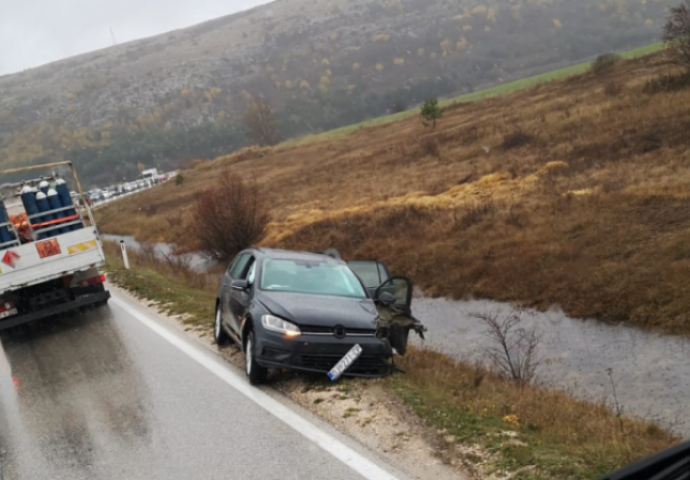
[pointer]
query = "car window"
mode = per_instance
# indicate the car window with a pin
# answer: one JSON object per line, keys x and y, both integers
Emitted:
{"x": 318, "y": 277}
{"x": 239, "y": 266}
{"x": 368, "y": 272}
{"x": 251, "y": 274}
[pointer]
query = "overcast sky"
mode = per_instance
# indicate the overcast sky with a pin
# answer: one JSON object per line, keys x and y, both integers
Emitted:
{"x": 34, "y": 32}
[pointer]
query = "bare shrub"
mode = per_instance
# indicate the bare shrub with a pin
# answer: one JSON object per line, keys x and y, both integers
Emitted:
{"x": 147, "y": 251}
{"x": 174, "y": 221}
{"x": 429, "y": 146}
{"x": 514, "y": 351}
{"x": 613, "y": 89}
{"x": 260, "y": 122}
{"x": 677, "y": 32}
{"x": 667, "y": 83}
{"x": 604, "y": 62}
{"x": 516, "y": 139}
{"x": 230, "y": 217}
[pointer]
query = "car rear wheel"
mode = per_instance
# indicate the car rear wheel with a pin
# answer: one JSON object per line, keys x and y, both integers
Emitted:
{"x": 255, "y": 372}
{"x": 218, "y": 333}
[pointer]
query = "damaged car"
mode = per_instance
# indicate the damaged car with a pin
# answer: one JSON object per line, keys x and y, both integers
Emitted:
{"x": 311, "y": 312}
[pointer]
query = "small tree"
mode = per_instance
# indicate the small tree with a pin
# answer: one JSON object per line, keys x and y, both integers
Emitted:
{"x": 229, "y": 217}
{"x": 260, "y": 122}
{"x": 677, "y": 32}
{"x": 179, "y": 179}
{"x": 431, "y": 112}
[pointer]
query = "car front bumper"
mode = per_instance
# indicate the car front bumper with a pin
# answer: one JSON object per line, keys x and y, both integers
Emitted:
{"x": 319, "y": 354}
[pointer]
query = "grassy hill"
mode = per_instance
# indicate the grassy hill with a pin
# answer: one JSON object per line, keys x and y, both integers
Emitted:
{"x": 572, "y": 192}
{"x": 323, "y": 65}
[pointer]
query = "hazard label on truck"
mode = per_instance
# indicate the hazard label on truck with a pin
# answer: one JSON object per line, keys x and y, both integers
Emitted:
{"x": 48, "y": 248}
{"x": 81, "y": 247}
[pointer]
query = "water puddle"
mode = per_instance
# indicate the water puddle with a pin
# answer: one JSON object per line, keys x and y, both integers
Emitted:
{"x": 197, "y": 261}
{"x": 651, "y": 372}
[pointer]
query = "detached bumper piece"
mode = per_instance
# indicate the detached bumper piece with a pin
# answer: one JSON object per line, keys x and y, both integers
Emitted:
{"x": 82, "y": 301}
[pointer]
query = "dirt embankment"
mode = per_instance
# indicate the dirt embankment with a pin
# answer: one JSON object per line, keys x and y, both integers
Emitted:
{"x": 574, "y": 192}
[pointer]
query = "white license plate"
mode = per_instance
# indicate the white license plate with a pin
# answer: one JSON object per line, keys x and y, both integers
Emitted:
{"x": 8, "y": 313}
{"x": 345, "y": 363}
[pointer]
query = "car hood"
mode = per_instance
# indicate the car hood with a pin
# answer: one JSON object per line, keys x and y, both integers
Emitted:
{"x": 321, "y": 310}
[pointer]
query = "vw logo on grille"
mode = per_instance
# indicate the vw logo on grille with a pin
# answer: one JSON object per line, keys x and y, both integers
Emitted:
{"x": 339, "y": 331}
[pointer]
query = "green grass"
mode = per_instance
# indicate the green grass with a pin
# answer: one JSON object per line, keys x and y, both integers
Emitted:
{"x": 502, "y": 89}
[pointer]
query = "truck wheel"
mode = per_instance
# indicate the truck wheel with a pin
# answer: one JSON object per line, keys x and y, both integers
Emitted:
{"x": 219, "y": 334}
{"x": 255, "y": 372}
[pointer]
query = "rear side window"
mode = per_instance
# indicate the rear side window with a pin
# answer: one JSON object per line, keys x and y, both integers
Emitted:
{"x": 239, "y": 266}
{"x": 372, "y": 274}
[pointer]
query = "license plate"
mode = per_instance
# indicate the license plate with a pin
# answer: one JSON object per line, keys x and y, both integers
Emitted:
{"x": 8, "y": 313}
{"x": 345, "y": 363}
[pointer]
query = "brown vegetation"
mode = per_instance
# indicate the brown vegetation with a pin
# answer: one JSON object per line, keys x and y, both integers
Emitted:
{"x": 229, "y": 217}
{"x": 593, "y": 216}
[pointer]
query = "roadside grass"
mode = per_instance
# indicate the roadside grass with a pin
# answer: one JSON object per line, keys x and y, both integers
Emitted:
{"x": 491, "y": 425}
{"x": 528, "y": 432}
{"x": 175, "y": 290}
{"x": 554, "y": 194}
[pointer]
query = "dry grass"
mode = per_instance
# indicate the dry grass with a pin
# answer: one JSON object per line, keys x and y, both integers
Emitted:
{"x": 591, "y": 213}
{"x": 536, "y": 432}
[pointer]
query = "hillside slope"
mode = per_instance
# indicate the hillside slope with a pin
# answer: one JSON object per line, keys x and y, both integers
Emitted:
{"x": 573, "y": 192}
{"x": 322, "y": 64}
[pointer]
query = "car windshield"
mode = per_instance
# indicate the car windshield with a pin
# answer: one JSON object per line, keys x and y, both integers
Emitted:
{"x": 320, "y": 277}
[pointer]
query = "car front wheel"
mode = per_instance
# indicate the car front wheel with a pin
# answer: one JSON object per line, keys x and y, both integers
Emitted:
{"x": 255, "y": 372}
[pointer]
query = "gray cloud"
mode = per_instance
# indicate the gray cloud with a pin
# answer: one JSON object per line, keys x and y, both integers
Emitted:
{"x": 35, "y": 32}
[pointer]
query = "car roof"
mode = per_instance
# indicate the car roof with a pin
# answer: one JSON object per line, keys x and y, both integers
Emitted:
{"x": 289, "y": 254}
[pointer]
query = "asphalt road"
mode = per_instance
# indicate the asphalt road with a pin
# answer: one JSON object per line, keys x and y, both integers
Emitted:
{"x": 117, "y": 393}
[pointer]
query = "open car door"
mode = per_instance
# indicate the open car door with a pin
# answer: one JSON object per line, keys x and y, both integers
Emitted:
{"x": 393, "y": 301}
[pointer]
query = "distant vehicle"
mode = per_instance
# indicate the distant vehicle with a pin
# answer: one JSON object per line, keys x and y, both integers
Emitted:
{"x": 151, "y": 174}
{"x": 304, "y": 311}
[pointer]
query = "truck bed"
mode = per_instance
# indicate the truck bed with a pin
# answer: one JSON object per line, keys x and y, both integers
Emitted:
{"x": 44, "y": 260}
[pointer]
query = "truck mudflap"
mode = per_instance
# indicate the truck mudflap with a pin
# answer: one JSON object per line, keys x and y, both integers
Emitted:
{"x": 82, "y": 301}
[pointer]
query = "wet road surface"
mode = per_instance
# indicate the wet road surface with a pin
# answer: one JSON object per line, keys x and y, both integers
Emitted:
{"x": 103, "y": 395}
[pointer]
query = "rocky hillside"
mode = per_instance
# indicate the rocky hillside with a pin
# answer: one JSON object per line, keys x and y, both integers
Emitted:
{"x": 322, "y": 64}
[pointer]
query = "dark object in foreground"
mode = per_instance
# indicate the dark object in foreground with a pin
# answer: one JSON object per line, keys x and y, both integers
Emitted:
{"x": 670, "y": 464}
{"x": 304, "y": 311}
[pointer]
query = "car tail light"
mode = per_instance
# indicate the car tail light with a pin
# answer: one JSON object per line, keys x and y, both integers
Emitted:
{"x": 6, "y": 306}
{"x": 92, "y": 281}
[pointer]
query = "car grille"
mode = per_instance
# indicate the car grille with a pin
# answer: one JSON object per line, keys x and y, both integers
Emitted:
{"x": 364, "y": 365}
{"x": 316, "y": 330}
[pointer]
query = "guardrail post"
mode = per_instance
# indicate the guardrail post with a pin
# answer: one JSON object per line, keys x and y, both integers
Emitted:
{"x": 125, "y": 259}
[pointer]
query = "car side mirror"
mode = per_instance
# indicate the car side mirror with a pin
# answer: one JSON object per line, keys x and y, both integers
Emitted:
{"x": 239, "y": 285}
{"x": 386, "y": 298}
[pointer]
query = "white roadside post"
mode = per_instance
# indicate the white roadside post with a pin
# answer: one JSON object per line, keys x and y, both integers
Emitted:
{"x": 125, "y": 259}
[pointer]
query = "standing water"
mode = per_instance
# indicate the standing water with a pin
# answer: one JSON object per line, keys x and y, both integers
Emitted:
{"x": 651, "y": 372}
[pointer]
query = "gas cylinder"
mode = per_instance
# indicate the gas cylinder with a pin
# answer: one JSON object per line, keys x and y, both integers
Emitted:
{"x": 66, "y": 201}
{"x": 44, "y": 206}
{"x": 5, "y": 232}
{"x": 44, "y": 186}
{"x": 28, "y": 195}
{"x": 54, "y": 202}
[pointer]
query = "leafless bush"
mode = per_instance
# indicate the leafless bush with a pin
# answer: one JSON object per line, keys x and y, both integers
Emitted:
{"x": 667, "y": 83}
{"x": 147, "y": 251}
{"x": 677, "y": 32}
{"x": 605, "y": 62}
{"x": 260, "y": 122}
{"x": 174, "y": 221}
{"x": 474, "y": 214}
{"x": 429, "y": 146}
{"x": 613, "y": 89}
{"x": 514, "y": 350}
{"x": 516, "y": 139}
{"x": 230, "y": 217}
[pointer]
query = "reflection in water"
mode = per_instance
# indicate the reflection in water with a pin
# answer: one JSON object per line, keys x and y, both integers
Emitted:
{"x": 197, "y": 261}
{"x": 650, "y": 371}
{"x": 68, "y": 393}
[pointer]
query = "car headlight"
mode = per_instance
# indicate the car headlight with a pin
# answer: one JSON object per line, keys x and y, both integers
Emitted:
{"x": 275, "y": 324}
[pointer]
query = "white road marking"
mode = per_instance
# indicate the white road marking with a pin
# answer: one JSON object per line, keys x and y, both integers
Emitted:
{"x": 339, "y": 450}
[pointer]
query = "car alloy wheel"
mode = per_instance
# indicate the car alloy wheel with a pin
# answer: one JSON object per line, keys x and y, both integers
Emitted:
{"x": 218, "y": 333}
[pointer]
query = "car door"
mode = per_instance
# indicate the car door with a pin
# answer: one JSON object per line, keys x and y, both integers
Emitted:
{"x": 233, "y": 272}
{"x": 241, "y": 297}
{"x": 396, "y": 318}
